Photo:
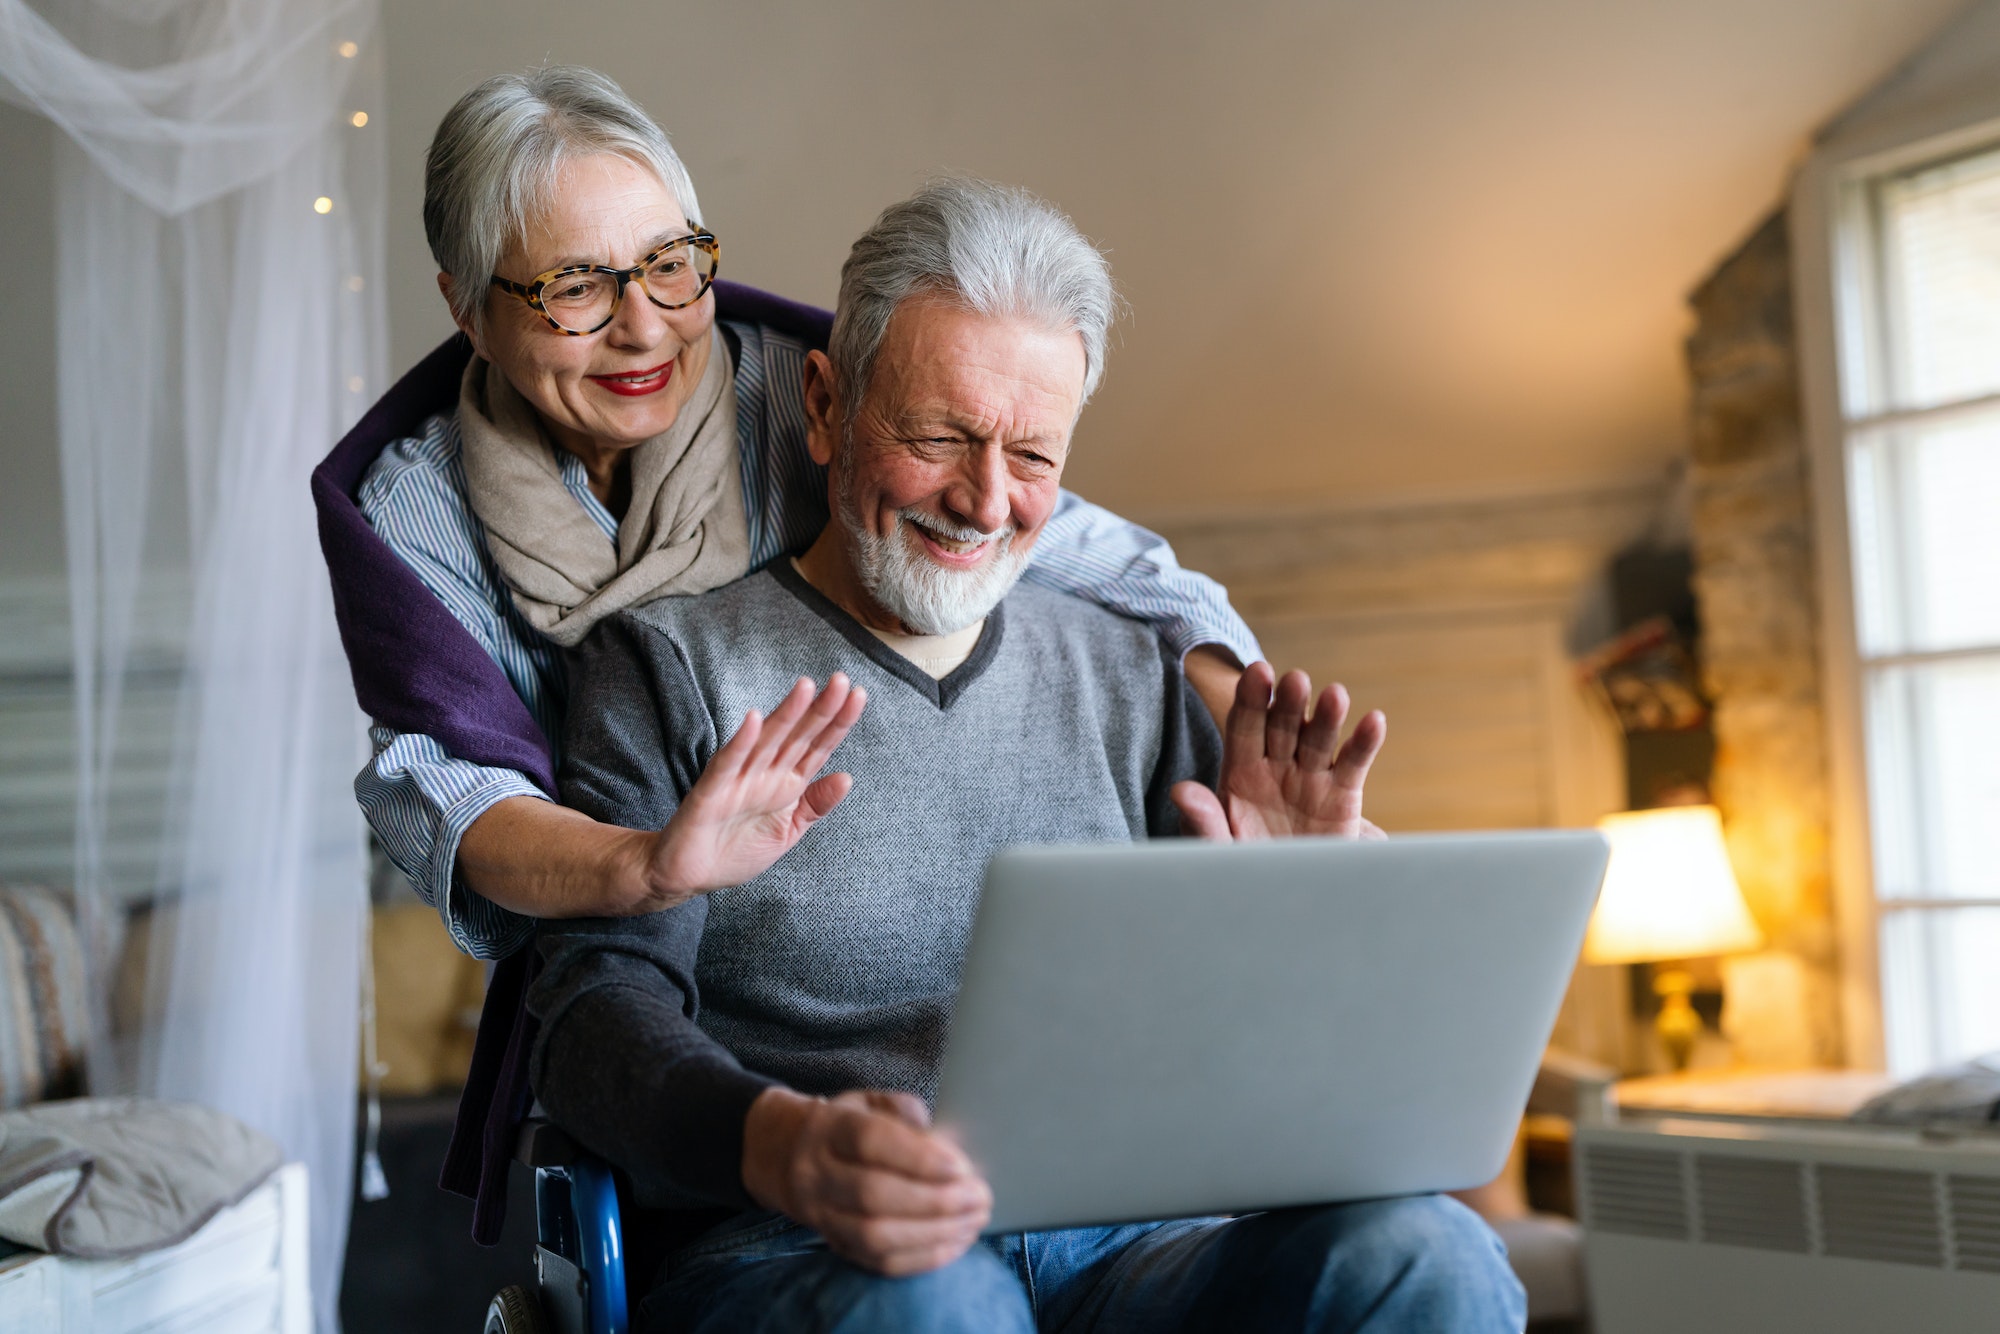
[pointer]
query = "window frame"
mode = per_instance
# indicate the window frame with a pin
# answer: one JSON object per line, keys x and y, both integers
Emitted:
{"x": 1835, "y": 286}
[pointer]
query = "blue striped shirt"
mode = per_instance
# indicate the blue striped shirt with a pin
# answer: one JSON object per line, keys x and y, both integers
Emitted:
{"x": 420, "y": 799}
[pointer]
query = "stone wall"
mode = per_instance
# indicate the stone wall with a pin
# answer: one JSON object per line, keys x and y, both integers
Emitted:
{"x": 1758, "y": 598}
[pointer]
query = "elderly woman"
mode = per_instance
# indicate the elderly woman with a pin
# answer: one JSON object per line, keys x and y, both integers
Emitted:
{"x": 614, "y": 438}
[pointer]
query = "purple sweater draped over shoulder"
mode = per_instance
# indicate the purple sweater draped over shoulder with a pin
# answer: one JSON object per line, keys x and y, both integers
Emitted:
{"x": 416, "y": 669}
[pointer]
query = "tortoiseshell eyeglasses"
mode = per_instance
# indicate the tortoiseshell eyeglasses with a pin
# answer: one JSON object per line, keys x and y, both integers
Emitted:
{"x": 583, "y": 298}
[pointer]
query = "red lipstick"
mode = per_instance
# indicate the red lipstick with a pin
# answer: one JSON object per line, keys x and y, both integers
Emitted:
{"x": 636, "y": 384}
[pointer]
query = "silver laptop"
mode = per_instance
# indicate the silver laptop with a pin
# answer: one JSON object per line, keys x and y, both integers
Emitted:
{"x": 1181, "y": 1028}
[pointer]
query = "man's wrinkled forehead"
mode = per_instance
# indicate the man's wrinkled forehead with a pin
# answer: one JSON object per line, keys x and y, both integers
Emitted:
{"x": 942, "y": 365}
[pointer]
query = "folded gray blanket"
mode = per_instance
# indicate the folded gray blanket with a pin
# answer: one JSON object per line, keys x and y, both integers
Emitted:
{"x": 104, "y": 1178}
{"x": 1968, "y": 1093}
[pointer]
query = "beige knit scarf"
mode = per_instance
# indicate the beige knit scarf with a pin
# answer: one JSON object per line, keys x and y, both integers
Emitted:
{"x": 684, "y": 531}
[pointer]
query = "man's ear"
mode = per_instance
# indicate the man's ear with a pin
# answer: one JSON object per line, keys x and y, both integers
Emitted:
{"x": 464, "y": 325}
{"x": 824, "y": 416}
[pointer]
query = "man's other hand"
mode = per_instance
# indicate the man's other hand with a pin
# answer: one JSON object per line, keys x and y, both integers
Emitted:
{"x": 757, "y": 797}
{"x": 1286, "y": 772}
{"x": 865, "y": 1171}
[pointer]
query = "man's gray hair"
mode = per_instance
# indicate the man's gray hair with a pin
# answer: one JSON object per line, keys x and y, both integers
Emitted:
{"x": 997, "y": 249}
{"x": 499, "y": 153}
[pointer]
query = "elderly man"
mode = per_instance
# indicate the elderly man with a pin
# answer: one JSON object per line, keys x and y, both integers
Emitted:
{"x": 759, "y": 1061}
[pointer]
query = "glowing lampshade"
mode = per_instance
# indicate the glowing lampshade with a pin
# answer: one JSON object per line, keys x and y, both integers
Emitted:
{"x": 1669, "y": 892}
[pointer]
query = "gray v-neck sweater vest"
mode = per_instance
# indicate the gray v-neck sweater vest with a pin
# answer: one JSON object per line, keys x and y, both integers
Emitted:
{"x": 835, "y": 969}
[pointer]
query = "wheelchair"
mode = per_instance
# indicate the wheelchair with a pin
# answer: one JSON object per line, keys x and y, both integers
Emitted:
{"x": 579, "y": 1244}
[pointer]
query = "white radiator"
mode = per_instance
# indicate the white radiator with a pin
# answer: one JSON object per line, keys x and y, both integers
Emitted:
{"x": 1767, "y": 1228}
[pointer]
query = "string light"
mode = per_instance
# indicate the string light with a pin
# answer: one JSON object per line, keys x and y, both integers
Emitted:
{"x": 354, "y": 284}
{"x": 354, "y": 384}
{"x": 359, "y": 118}
{"x": 322, "y": 205}
{"x": 348, "y": 50}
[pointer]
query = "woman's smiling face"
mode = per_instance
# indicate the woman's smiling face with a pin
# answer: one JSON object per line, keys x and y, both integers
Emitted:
{"x": 606, "y": 391}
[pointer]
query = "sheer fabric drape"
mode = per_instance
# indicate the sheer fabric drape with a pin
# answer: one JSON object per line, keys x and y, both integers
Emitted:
{"x": 219, "y": 324}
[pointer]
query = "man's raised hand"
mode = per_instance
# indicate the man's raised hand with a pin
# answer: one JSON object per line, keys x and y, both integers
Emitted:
{"x": 758, "y": 796}
{"x": 1285, "y": 772}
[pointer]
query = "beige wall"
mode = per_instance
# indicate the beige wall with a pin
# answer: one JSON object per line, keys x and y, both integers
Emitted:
{"x": 1957, "y": 67}
{"x": 1450, "y": 240}
{"x": 1371, "y": 249}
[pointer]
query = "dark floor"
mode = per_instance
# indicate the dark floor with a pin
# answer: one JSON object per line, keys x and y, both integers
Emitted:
{"x": 412, "y": 1266}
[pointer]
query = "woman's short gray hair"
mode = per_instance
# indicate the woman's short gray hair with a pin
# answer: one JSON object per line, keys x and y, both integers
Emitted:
{"x": 996, "y": 248}
{"x": 499, "y": 153}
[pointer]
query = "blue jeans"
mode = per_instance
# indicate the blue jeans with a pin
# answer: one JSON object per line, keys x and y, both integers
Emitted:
{"x": 1422, "y": 1264}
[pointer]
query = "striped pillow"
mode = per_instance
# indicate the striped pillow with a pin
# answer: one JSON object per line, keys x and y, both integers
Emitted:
{"x": 44, "y": 1013}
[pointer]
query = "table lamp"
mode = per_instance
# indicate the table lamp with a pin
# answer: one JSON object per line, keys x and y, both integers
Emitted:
{"x": 1669, "y": 893}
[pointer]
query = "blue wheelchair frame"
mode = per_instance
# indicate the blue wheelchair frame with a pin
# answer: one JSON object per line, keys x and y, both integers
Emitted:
{"x": 579, "y": 1238}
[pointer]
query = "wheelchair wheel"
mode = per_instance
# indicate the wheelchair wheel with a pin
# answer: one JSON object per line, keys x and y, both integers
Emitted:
{"x": 516, "y": 1310}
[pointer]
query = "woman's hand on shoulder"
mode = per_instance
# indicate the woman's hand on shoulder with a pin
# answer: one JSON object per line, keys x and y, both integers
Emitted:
{"x": 757, "y": 797}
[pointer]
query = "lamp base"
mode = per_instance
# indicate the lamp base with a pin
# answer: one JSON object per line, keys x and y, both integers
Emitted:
{"x": 1678, "y": 1025}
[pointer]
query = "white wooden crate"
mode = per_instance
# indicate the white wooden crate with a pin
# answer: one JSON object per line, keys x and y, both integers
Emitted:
{"x": 244, "y": 1273}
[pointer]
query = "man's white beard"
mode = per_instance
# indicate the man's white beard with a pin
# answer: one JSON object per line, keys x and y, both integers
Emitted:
{"x": 916, "y": 590}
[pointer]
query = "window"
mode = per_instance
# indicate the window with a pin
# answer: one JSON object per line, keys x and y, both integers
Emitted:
{"x": 1918, "y": 313}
